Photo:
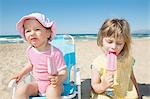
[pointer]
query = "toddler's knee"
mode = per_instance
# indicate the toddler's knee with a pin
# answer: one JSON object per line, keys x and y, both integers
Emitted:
{"x": 53, "y": 92}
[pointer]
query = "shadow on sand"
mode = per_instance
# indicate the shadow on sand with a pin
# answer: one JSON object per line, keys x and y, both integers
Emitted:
{"x": 144, "y": 89}
{"x": 86, "y": 89}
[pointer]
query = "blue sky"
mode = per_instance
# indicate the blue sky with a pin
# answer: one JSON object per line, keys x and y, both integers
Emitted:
{"x": 76, "y": 16}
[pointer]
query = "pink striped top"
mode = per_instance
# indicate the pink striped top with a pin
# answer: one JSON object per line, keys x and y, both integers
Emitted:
{"x": 41, "y": 60}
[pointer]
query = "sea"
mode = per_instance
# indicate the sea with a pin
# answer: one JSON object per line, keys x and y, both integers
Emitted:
{"x": 11, "y": 39}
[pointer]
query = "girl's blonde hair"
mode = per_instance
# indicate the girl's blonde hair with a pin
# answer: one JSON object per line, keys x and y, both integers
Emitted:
{"x": 116, "y": 28}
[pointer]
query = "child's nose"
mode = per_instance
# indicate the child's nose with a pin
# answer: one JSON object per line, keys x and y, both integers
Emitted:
{"x": 113, "y": 45}
{"x": 32, "y": 33}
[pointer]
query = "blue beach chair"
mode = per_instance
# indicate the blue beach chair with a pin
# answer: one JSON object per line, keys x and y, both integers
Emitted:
{"x": 72, "y": 86}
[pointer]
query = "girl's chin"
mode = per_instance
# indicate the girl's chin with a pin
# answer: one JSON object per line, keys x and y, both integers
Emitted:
{"x": 34, "y": 44}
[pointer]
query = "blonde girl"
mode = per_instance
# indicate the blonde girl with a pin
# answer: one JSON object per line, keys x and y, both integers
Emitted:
{"x": 114, "y": 36}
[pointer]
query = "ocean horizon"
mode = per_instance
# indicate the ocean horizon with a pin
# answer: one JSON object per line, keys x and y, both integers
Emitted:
{"x": 9, "y": 39}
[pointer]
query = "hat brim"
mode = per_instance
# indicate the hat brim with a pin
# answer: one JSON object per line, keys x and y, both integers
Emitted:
{"x": 50, "y": 24}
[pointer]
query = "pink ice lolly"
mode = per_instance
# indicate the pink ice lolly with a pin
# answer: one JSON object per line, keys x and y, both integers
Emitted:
{"x": 111, "y": 61}
{"x": 51, "y": 68}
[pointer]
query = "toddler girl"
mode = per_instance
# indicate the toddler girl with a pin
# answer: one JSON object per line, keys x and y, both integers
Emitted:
{"x": 38, "y": 31}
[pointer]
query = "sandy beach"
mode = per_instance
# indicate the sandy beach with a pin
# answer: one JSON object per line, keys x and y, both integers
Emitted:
{"x": 12, "y": 58}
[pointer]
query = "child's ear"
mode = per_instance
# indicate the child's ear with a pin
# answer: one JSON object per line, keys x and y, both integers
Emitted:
{"x": 48, "y": 33}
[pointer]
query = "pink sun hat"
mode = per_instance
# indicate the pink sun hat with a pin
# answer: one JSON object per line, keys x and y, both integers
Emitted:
{"x": 41, "y": 18}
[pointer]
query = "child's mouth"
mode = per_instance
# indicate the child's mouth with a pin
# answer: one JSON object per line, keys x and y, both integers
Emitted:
{"x": 33, "y": 39}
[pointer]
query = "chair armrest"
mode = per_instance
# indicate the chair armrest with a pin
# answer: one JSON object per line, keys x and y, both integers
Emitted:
{"x": 12, "y": 83}
{"x": 78, "y": 82}
{"x": 26, "y": 78}
{"x": 78, "y": 78}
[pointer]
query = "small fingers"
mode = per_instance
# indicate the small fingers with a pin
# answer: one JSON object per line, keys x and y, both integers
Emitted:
{"x": 109, "y": 80}
{"x": 53, "y": 83}
{"x": 17, "y": 80}
{"x": 16, "y": 77}
{"x": 53, "y": 80}
{"x": 51, "y": 77}
{"x": 110, "y": 77}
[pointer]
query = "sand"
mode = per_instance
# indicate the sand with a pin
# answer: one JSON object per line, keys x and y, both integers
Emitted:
{"x": 12, "y": 58}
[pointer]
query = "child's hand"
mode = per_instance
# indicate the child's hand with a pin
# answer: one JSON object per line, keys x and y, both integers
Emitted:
{"x": 17, "y": 77}
{"x": 54, "y": 80}
{"x": 107, "y": 80}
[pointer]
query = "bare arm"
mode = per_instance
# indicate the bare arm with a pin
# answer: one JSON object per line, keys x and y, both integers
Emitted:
{"x": 26, "y": 69}
{"x": 100, "y": 84}
{"x": 62, "y": 75}
{"x": 135, "y": 84}
{"x": 95, "y": 82}
{"x": 23, "y": 72}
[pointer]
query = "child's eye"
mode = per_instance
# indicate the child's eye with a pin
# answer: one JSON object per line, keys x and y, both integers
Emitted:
{"x": 119, "y": 43}
{"x": 27, "y": 31}
{"x": 37, "y": 29}
{"x": 109, "y": 41}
